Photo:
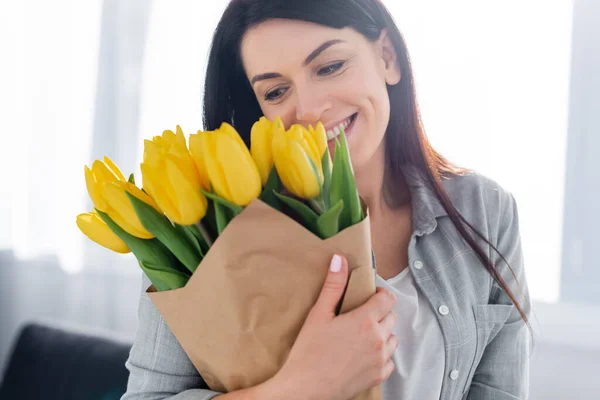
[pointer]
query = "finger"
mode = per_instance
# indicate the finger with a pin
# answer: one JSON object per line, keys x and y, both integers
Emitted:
{"x": 388, "y": 369}
{"x": 333, "y": 288}
{"x": 380, "y": 304}
{"x": 388, "y": 323}
{"x": 390, "y": 346}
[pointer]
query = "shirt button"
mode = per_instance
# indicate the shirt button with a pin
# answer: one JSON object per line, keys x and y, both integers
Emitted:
{"x": 418, "y": 264}
{"x": 454, "y": 374}
{"x": 444, "y": 310}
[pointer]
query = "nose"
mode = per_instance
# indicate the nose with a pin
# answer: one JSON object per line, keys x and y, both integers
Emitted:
{"x": 310, "y": 106}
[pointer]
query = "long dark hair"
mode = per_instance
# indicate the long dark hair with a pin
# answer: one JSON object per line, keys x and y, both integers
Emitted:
{"x": 229, "y": 97}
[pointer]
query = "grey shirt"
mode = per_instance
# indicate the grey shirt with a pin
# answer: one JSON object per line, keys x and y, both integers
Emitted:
{"x": 486, "y": 343}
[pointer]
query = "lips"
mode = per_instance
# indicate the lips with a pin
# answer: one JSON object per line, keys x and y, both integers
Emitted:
{"x": 335, "y": 131}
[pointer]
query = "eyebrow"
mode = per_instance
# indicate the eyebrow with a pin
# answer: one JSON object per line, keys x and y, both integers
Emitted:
{"x": 311, "y": 57}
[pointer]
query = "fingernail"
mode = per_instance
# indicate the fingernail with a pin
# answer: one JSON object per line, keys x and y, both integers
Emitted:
{"x": 336, "y": 263}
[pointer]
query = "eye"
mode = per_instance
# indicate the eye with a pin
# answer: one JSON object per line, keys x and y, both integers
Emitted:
{"x": 275, "y": 94}
{"x": 330, "y": 69}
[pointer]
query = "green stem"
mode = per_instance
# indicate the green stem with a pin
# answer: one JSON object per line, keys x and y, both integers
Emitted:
{"x": 204, "y": 232}
{"x": 318, "y": 204}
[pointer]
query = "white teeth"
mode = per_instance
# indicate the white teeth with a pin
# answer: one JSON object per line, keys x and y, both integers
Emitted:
{"x": 333, "y": 133}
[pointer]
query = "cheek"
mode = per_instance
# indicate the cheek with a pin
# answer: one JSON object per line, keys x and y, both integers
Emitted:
{"x": 286, "y": 114}
{"x": 370, "y": 131}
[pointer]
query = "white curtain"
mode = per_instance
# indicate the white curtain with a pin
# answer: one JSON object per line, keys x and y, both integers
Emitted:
{"x": 174, "y": 66}
{"x": 493, "y": 82}
{"x": 48, "y": 80}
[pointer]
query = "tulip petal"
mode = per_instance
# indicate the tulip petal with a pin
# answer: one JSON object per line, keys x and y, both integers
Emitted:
{"x": 154, "y": 182}
{"x": 216, "y": 174}
{"x": 304, "y": 171}
{"x": 195, "y": 142}
{"x": 127, "y": 227}
{"x": 280, "y": 158}
{"x": 103, "y": 173}
{"x": 243, "y": 178}
{"x": 320, "y": 137}
{"x": 96, "y": 229}
{"x": 113, "y": 167}
{"x": 152, "y": 152}
{"x": 180, "y": 137}
{"x": 93, "y": 189}
{"x": 261, "y": 137}
{"x": 184, "y": 161}
{"x": 121, "y": 210}
{"x": 311, "y": 148}
{"x": 231, "y": 132}
{"x": 189, "y": 201}
{"x": 167, "y": 137}
{"x": 137, "y": 192}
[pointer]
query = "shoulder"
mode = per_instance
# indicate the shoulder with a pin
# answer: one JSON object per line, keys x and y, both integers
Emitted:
{"x": 478, "y": 196}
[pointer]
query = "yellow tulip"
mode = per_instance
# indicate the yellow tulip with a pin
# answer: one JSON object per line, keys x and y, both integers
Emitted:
{"x": 261, "y": 140}
{"x": 296, "y": 157}
{"x": 120, "y": 208}
{"x": 171, "y": 178}
{"x": 96, "y": 229}
{"x": 97, "y": 176}
{"x": 233, "y": 174}
{"x": 303, "y": 137}
{"x": 320, "y": 137}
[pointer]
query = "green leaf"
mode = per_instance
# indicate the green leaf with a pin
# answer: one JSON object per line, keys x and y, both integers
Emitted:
{"x": 210, "y": 221}
{"x": 163, "y": 280}
{"x": 150, "y": 252}
{"x": 202, "y": 240}
{"x": 226, "y": 203}
{"x": 308, "y": 216}
{"x": 222, "y": 217}
{"x": 186, "y": 231}
{"x": 329, "y": 221}
{"x": 315, "y": 170}
{"x": 318, "y": 204}
{"x": 351, "y": 195}
{"x": 131, "y": 179}
{"x": 325, "y": 191}
{"x": 273, "y": 184}
{"x": 337, "y": 192}
{"x": 163, "y": 229}
{"x": 205, "y": 238}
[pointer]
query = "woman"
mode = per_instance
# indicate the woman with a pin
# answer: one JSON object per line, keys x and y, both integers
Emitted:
{"x": 449, "y": 319}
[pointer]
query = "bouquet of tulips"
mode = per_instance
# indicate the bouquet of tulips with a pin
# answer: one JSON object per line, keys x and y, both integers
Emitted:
{"x": 236, "y": 240}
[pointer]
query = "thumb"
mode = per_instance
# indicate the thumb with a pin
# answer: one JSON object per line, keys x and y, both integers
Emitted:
{"x": 334, "y": 286}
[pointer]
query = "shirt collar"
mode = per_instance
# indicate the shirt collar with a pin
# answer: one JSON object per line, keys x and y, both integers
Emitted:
{"x": 425, "y": 205}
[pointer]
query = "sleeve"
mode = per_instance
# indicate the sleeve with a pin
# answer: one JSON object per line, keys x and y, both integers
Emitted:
{"x": 503, "y": 372}
{"x": 158, "y": 367}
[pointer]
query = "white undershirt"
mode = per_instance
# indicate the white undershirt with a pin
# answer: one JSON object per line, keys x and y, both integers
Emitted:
{"x": 419, "y": 358}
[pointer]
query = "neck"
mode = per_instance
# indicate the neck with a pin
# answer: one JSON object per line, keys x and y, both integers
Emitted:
{"x": 369, "y": 182}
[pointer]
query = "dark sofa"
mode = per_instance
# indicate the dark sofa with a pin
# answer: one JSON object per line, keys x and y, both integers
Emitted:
{"x": 48, "y": 362}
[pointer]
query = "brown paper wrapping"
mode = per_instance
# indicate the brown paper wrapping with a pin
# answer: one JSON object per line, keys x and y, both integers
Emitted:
{"x": 241, "y": 311}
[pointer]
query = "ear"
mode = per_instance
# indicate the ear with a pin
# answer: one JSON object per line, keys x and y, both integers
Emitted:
{"x": 389, "y": 58}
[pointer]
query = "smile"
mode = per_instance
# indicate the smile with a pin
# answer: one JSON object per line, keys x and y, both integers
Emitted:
{"x": 335, "y": 132}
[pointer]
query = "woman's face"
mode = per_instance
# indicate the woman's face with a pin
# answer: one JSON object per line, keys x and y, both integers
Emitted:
{"x": 306, "y": 73}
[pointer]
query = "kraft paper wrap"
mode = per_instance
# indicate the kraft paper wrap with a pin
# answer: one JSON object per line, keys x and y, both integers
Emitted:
{"x": 241, "y": 311}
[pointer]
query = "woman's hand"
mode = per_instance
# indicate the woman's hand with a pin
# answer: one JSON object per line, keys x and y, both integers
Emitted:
{"x": 337, "y": 357}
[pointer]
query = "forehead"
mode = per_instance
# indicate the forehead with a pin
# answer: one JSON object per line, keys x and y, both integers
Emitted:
{"x": 279, "y": 42}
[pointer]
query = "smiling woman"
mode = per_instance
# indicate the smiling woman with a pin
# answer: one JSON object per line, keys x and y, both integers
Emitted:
{"x": 446, "y": 240}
